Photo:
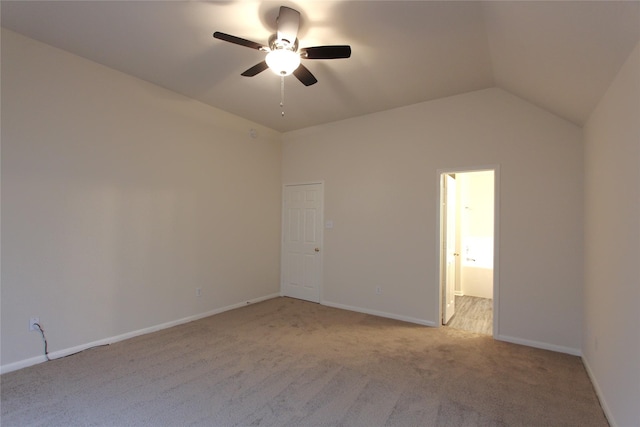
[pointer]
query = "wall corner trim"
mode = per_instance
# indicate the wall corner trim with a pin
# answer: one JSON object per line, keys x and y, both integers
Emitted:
{"x": 541, "y": 345}
{"x": 603, "y": 402}
{"x": 380, "y": 313}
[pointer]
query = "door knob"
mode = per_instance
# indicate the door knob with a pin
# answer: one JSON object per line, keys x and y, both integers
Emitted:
{"x": 317, "y": 249}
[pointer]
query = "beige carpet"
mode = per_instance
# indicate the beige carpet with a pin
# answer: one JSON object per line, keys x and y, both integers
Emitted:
{"x": 286, "y": 362}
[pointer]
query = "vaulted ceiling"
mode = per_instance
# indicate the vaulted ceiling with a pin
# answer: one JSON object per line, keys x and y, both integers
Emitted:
{"x": 559, "y": 55}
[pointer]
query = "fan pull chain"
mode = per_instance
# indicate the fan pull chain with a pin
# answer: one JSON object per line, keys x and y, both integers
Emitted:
{"x": 282, "y": 94}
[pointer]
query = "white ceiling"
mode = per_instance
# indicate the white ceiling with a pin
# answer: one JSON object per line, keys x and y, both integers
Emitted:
{"x": 558, "y": 55}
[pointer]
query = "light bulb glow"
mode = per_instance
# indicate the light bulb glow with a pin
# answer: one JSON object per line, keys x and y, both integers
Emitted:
{"x": 283, "y": 61}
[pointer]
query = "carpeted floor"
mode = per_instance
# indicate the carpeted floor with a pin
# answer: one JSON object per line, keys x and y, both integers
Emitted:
{"x": 286, "y": 362}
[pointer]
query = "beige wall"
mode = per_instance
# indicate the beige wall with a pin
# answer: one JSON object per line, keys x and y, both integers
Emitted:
{"x": 381, "y": 181}
{"x": 611, "y": 347}
{"x": 119, "y": 199}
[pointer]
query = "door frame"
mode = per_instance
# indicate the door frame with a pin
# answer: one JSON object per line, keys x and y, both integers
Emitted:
{"x": 282, "y": 224}
{"x": 496, "y": 239}
{"x": 447, "y": 181}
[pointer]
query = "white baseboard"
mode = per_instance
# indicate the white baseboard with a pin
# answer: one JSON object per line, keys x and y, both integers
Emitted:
{"x": 596, "y": 387}
{"x": 68, "y": 351}
{"x": 538, "y": 344}
{"x": 458, "y": 293}
{"x": 379, "y": 313}
{"x": 22, "y": 364}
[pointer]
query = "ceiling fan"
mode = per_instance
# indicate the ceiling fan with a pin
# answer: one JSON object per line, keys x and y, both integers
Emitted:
{"x": 283, "y": 56}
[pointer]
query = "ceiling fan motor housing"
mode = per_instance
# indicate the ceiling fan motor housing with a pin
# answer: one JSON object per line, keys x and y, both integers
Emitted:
{"x": 288, "y": 23}
{"x": 275, "y": 43}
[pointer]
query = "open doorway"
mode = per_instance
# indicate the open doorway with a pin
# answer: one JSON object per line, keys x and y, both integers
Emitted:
{"x": 467, "y": 250}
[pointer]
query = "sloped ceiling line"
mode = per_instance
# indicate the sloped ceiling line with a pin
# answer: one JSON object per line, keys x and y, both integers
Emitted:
{"x": 559, "y": 55}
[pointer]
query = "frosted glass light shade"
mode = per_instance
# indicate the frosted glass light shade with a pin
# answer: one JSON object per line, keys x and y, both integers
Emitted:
{"x": 283, "y": 61}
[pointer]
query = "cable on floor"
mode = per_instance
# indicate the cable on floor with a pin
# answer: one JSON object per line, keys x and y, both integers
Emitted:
{"x": 46, "y": 351}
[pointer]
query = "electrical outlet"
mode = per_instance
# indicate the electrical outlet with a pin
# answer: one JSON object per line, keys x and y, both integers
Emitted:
{"x": 378, "y": 290}
{"x": 32, "y": 323}
{"x": 198, "y": 292}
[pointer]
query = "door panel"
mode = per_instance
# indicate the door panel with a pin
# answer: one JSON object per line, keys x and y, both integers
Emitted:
{"x": 302, "y": 241}
{"x": 449, "y": 305}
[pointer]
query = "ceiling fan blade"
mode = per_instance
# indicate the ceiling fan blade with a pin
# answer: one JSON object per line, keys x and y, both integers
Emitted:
{"x": 326, "y": 52}
{"x": 305, "y": 76}
{"x": 237, "y": 40}
{"x": 288, "y": 23}
{"x": 256, "y": 69}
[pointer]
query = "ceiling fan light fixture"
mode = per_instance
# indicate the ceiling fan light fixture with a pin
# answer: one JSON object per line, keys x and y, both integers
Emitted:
{"x": 283, "y": 61}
